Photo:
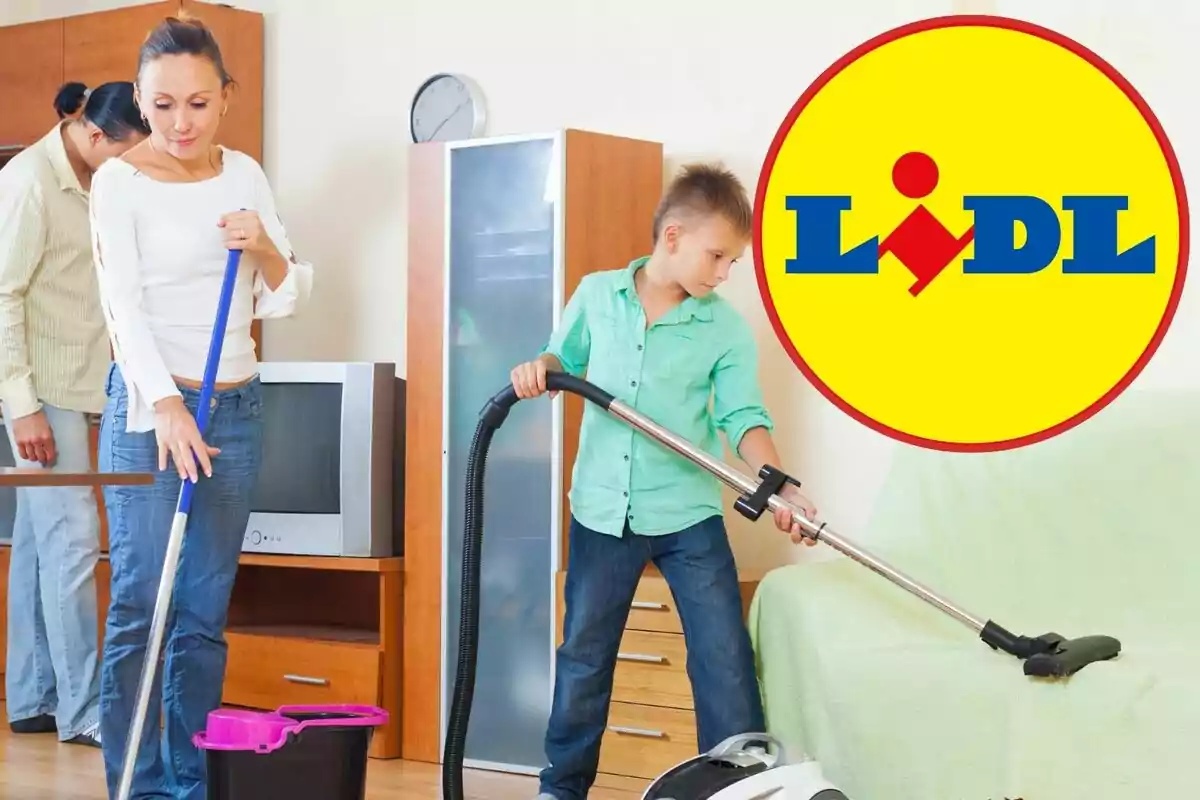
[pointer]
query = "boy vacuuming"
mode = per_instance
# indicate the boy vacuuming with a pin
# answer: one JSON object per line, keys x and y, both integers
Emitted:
{"x": 657, "y": 337}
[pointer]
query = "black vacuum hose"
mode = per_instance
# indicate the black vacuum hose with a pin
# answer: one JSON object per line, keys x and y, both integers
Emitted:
{"x": 490, "y": 419}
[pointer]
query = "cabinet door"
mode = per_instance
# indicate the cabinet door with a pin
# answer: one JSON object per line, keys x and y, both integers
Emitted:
{"x": 503, "y": 290}
{"x": 103, "y": 46}
{"x": 31, "y": 70}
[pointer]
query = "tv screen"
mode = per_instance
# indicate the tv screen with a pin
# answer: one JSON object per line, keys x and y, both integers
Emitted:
{"x": 301, "y": 467}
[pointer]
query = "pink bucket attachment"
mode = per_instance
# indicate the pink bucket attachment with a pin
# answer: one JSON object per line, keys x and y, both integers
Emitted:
{"x": 267, "y": 731}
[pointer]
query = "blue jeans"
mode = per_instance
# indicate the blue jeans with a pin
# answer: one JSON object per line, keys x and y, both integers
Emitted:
{"x": 192, "y": 671}
{"x": 602, "y": 575}
{"x": 52, "y": 627}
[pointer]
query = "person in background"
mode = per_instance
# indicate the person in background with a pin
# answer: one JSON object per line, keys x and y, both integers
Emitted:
{"x": 164, "y": 218}
{"x": 53, "y": 358}
{"x": 657, "y": 336}
{"x": 68, "y": 103}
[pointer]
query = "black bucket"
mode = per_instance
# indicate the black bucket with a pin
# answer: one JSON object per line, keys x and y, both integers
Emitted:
{"x": 293, "y": 753}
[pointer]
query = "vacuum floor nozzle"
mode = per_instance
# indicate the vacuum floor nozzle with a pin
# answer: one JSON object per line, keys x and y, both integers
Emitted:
{"x": 1065, "y": 657}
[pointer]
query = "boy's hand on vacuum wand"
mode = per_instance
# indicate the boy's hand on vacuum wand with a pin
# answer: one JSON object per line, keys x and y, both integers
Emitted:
{"x": 783, "y": 517}
{"x": 529, "y": 379}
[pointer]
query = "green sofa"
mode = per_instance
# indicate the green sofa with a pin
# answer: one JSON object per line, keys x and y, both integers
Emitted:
{"x": 1094, "y": 531}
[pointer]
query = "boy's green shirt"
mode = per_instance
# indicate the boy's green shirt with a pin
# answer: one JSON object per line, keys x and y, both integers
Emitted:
{"x": 702, "y": 349}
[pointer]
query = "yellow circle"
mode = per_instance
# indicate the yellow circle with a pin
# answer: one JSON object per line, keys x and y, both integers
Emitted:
{"x": 971, "y": 361}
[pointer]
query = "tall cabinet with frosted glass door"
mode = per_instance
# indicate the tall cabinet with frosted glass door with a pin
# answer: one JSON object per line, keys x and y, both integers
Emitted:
{"x": 501, "y": 230}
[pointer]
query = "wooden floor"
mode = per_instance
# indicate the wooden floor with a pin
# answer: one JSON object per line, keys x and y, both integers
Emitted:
{"x": 37, "y": 767}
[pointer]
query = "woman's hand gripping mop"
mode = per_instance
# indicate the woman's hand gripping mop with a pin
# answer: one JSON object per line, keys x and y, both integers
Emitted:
{"x": 166, "y": 584}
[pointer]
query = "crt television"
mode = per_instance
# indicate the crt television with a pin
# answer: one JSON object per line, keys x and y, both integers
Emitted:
{"x": 331, "y": 480}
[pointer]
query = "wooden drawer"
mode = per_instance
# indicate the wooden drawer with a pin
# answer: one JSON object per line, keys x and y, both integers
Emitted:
{"x": 267, "y": 671}
{"x": 654, "y": 607}
{"x": 645, "y": 741}
{"x": 652, "y": 670}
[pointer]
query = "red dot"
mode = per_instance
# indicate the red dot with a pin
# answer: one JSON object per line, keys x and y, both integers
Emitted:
{"x": 915, "y": 175}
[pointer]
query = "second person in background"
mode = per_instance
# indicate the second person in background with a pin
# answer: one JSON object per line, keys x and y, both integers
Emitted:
{"x": 53, "y": 359}
{"x": 164, "y": 219}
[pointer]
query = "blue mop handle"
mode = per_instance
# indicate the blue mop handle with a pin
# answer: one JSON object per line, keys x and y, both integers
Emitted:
{"x": 210, "y": 368}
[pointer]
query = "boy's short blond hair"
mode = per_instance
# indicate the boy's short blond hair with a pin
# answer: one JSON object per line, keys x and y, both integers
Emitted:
{"x": 706, "y": 189}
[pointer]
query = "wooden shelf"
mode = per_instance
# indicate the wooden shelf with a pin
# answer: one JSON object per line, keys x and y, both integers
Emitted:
{"x": 329, "y": 563}
{"x": 35, "y": 476}
{"x": 323, "y": 562}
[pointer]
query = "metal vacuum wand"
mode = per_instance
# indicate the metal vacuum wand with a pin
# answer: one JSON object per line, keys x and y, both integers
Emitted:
{"x": 1048, "y": 655}
{"x": 166, "y": 584}
{"x": 774, "y": 481}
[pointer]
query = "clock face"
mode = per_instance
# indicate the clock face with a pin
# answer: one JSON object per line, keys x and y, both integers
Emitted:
{"x": 446, "y": 108}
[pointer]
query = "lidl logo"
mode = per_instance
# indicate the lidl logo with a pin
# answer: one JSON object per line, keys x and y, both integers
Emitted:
{"x": 971, "y": 233}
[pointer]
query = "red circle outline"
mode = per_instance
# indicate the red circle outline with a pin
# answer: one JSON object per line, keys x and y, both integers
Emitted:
{"x": 1021, "y": 26}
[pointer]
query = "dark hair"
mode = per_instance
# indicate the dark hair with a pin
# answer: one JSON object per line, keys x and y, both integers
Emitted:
{"x": 69, "y": 98}
{"x": 706, "y": 189}
{"x": 110, "y": 107}
{"x": 183, "y": 36}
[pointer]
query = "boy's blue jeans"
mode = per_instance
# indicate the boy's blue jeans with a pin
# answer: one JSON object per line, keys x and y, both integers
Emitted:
{"x": 52, "y": 659}
{"x": 192, "y": 670}
{"x": 602, "y": 576}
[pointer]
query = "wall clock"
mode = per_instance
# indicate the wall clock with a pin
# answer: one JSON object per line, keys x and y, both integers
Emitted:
{"x": 447, "y": 107}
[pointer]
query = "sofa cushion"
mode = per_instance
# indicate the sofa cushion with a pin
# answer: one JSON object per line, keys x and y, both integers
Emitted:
{"x": 1090, "y": 532}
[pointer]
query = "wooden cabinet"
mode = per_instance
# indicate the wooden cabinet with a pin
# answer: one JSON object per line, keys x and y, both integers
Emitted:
{"x": 651, "y": 720}
{"x": 31, "y": 70}
{"x": 103, "y": 46}
{"x": 501, "y": 231}
{"x": 269, "y": 670}
{"x": 290, "y": 645}
{"x": 240, "y": 34}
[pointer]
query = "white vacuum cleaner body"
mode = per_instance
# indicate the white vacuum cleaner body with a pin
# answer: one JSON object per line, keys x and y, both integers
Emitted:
{"x": 740, "y": 769}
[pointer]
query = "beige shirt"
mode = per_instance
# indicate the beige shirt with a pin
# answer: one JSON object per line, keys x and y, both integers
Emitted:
{"x": 53, "y": 342}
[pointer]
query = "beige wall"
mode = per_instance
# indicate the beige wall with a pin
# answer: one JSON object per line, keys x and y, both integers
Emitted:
{"x": 717, "y": 84}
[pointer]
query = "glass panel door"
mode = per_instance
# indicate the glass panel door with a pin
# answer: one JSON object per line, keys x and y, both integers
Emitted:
{"x": 501, "y": 299}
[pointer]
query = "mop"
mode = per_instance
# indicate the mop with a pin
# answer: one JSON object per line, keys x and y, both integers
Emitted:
{"x": 166, "y": 584}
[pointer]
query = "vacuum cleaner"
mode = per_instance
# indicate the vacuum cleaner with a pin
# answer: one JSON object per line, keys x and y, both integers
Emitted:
{"x": 743, "y": 768}
{"x": 740, "y": 768}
